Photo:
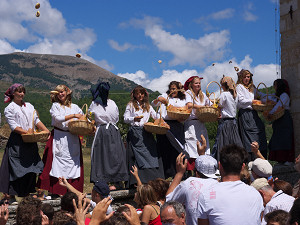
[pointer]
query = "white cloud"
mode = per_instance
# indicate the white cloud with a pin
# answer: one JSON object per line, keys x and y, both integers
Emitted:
{"x": 210, "y": 47}
{"x": 248, "y": 15}
{"x": 223, "y": 14}
{"x": 121, "y": 48}
{"x": 262, "y": 73}
{"x": 47, "y": 34}
{"x": 6, "y": 47}
{"x": 139, "y": 77}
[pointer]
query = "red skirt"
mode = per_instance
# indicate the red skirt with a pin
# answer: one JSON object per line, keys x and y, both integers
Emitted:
{"x": 50, "y": 183}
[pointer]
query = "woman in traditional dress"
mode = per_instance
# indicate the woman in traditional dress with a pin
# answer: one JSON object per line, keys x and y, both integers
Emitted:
{"x": 228, "y": 132}
{"x": 21, "y": 161}
{"x": 141, "y": 145}
{"x": 108, "y": 156}
{"x": 193, "y": 128}
{"x": 174, "y": 96}
{"x": 63, "y": 155}
{"x": 281, "y": 145}
{"x": 251, "y": 127}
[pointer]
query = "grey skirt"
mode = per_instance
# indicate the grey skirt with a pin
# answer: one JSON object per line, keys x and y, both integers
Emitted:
{"x": 251, "y": 129}
{"x": 108, "y": 159}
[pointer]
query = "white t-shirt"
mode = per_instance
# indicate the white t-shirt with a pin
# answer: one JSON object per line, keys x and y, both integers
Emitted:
{"x": 228, "y": 105}
{"x": 187, "y": 193}
{"x": 278, "y": 201}
{"x": 93, "y": 205}
{"x": 232, "y": 202}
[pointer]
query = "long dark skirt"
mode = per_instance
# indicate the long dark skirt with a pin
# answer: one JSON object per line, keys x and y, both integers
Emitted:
{"x": 142, "y": 152}
{"x": 251, "y": 129}
{"x": 281, "y": 144}
{"x": 227, "y": 133}
{"x": 108, "y": 156}
{"x": 20, "y": 164}
{"x": 50, "y": 183}
{"x": 166, "y": 149}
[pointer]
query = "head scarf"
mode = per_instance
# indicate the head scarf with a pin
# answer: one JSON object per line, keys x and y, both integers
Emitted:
{"x": 188, "y": 81}
{"x": 100, "y": 94}
{"x": 230, "y": 83}
{"x": 8, "y": 95}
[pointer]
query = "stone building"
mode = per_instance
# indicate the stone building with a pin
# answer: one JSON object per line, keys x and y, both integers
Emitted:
{"x": 290, "y": 58}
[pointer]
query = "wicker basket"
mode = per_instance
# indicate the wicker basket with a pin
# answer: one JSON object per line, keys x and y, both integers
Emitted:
{"x": 81, "y": 127}
{"x": 263, "y": 107}
{"x": 156, "y": 129}
{"x": 178, "y": 115}
{"x": 209, "y": 113}
{"x": 277, "y": 114}
{"x": 35, "y": 136}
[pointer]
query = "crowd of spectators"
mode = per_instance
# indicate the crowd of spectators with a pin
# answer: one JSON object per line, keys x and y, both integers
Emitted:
{"x": 217, "y": 194}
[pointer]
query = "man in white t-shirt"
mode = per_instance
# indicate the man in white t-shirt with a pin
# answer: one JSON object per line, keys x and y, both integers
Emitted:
{"x": 272, "y": 200}
{"x": 230, "y": 201}
{"x": 188, "y": 191}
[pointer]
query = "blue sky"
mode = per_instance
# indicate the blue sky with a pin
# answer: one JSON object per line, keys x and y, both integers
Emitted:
{"x": 128, "y": 37}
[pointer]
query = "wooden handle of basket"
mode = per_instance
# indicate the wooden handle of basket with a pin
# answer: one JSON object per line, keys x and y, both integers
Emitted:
{"x": 171, "y": 92}
{"x": 86, "y": 109}
{"x": 214, "y": 101}
{"x": 33, "y": 126}
{"x": 265, "y": 87}
{"x": 207, "y": 92}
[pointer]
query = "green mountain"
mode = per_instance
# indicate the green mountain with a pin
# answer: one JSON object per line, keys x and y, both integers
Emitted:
{"x": 44, "y": 71}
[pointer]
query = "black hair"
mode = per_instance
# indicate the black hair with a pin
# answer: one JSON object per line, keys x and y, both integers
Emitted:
{"x": 232, "y": 158}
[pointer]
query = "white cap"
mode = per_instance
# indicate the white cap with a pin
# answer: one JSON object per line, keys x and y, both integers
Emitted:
{"x": 207, "y": 165}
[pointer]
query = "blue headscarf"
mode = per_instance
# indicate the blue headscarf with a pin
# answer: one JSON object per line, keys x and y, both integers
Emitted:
{"x": 100, "y": 94}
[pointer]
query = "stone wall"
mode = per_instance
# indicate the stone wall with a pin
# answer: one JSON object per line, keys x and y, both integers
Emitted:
{"x": 290, "y": 58}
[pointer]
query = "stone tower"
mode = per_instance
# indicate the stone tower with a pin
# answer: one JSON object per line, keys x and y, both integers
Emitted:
{"x": 290, "y": 58}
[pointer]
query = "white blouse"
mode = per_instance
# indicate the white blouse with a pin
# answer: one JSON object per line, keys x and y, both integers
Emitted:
{"x": 172, "y": 101}
{"x": 190, "y": 99}
{"x": 245, "y": 97}
{"x": 130, "y": 113}
{"x": 105, "y": 115}
{"x": 59, "y": 112}
{"x": 20, "y": 116}
{"x": 228, "y": 105}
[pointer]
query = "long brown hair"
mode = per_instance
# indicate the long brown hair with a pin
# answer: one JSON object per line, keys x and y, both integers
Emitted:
{"x": 179, "y": 86}
{"x": 241, "y": 76}
{"x": 200, "y": 94}
{"x": 145, "y": 195}
{"x": 59, "y": 88}
{"x": 145, "y": 104}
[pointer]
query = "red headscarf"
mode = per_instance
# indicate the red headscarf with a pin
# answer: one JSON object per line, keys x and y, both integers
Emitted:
{"x": 10, "y": 91}
{"x": 188, "y": 81}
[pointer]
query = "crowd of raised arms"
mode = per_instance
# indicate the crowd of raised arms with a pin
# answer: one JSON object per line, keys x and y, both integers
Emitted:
{"x": 230, "y": 183}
